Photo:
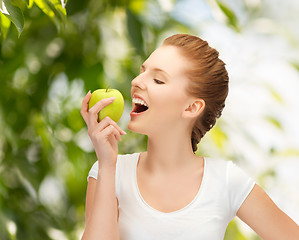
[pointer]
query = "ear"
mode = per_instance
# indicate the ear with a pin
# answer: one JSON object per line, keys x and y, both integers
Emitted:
{"x": 194, "y": 109}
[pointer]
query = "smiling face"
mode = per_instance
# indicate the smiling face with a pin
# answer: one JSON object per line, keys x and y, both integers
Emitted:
{"x": 161, "y": 84}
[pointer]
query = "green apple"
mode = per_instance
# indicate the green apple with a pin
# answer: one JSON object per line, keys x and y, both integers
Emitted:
{"x": 113, "y": 110}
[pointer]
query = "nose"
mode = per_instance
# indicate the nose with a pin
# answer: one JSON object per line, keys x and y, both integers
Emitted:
{"x": 138, "y": 82}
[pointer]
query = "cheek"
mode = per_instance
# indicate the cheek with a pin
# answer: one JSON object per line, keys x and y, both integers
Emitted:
{"x": 169, "y": 106}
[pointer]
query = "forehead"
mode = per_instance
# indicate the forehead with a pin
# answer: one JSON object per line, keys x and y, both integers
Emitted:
{"x": 169, "y": 59}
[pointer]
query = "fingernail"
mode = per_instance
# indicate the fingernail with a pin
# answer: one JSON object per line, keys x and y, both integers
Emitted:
{"x": 89, "y": 91}
{"x": 112, "y": 98}
{"x": 124, "y": 132}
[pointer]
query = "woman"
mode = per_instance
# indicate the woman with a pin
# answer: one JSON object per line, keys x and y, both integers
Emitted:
{"x": 169, "y": 192}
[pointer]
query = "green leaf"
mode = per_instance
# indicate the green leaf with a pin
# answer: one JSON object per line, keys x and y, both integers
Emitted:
{"x": 231, "y": 17}
{"x": 43, "y": 5}
{"x": 5, "y": 24}
{"x": 58, "y": 6}
{"x": 274, "y": 121}
{"x": 54, "y": 10}
{"x": 60, "y": 13}
{"x": 51, "y": 7}
{"x": 18, "y": 3}
{"x": 15, "y": 15}
{"x": 29, "y": 3}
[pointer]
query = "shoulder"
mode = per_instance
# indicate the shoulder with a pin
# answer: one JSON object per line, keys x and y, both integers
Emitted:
{"x": 123, "y": 160}
{"x": 217, "y": 166}
{"x": 127, "y": 157}
{"x": 223, "y": 166}
{"x": 120, "y": 158}
{"x": 219, "y": 162}
{"x": 227, "y": 171}
{"x": 126, "y": 161}
{"x": 234, "y": 181}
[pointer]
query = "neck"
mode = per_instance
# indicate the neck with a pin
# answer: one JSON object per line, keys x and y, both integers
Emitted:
{"x": 169, "y": 152}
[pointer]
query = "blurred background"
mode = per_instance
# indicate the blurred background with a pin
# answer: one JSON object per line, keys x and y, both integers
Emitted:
{"x": 52, "y": 52}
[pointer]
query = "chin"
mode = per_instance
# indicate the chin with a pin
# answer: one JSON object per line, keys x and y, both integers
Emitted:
{"x": 136, "y": 129}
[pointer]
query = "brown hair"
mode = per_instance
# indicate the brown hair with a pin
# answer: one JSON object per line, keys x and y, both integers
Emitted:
{"x": 208, "y": 80}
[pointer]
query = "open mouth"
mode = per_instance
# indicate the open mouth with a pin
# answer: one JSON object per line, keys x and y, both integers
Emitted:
{"x": 139, "y": 108}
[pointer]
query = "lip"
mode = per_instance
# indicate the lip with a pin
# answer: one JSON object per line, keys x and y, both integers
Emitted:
{"x": 138, "y": 96}
{"x": 132, "y": 114}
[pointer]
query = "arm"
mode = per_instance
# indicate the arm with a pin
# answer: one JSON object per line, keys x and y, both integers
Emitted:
{"x": 265, "y": 218}
{"x": 101, "y": 203}
{"x": 101, "y": 207}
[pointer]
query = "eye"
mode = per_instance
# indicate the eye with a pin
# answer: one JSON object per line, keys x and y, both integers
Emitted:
{"x": 158, "y": 81}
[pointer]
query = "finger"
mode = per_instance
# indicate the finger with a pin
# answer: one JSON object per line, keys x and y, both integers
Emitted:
{"x": 93, "y": 117}
{"x": 106, "y": 122}
{"x": 116, "y": 134}
{"x": 112, "y": 132}
{"x": 84, "y": 105}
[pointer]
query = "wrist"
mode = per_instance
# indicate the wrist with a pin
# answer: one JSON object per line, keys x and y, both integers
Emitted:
{"x": 107, "y": 175}
{"x": 107, "y": 167}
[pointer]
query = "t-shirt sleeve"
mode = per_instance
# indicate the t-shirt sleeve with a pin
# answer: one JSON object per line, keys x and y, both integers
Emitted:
{"x": 239, "y": 187}
{"x": 93, "y": 171}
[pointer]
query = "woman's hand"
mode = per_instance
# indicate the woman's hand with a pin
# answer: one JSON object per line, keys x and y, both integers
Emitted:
{"x": 104, "y": 134}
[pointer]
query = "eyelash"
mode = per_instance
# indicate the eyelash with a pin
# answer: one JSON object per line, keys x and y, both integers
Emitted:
{"x": 158, "y": 81}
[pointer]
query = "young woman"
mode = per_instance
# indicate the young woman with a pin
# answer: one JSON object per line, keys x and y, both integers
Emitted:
{"x": 168, "y": 192}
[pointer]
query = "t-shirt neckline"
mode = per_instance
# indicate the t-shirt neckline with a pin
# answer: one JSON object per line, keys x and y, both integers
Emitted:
{"x": 155, "y": 211}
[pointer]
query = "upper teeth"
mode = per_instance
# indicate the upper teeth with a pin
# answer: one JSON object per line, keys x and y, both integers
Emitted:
{"x": 139, "y": 101}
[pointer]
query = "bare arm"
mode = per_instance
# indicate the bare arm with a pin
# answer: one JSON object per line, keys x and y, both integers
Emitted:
{"x": 101, "y": 204}
{"x": 101, "y": 207}
{"x": 91, "y": 188}
{"x": 265, "y": 218}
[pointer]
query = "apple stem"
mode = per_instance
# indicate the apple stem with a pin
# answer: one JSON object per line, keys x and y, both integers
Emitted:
{"x": 107, "y": 88}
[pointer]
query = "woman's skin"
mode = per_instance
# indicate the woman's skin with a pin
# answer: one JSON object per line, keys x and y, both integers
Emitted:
{"x": 169, "y": 168}
{"x": 169, "y": 120}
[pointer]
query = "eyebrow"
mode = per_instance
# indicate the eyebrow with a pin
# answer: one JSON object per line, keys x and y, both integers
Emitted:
{"x": 155, "y": 69}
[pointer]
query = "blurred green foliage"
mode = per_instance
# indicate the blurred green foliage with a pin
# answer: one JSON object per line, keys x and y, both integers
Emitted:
{"x": 48, "y": 62}
{"x": 51, "y": 54}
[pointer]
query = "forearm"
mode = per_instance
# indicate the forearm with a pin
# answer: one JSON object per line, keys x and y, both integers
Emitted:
{"x": 102, "y": 221}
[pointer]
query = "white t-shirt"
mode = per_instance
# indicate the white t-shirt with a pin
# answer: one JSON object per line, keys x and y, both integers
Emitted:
{"x": 223, "y": 189}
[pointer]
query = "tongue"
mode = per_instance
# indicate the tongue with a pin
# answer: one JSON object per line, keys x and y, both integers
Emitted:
{"x": 140, "y": 108}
